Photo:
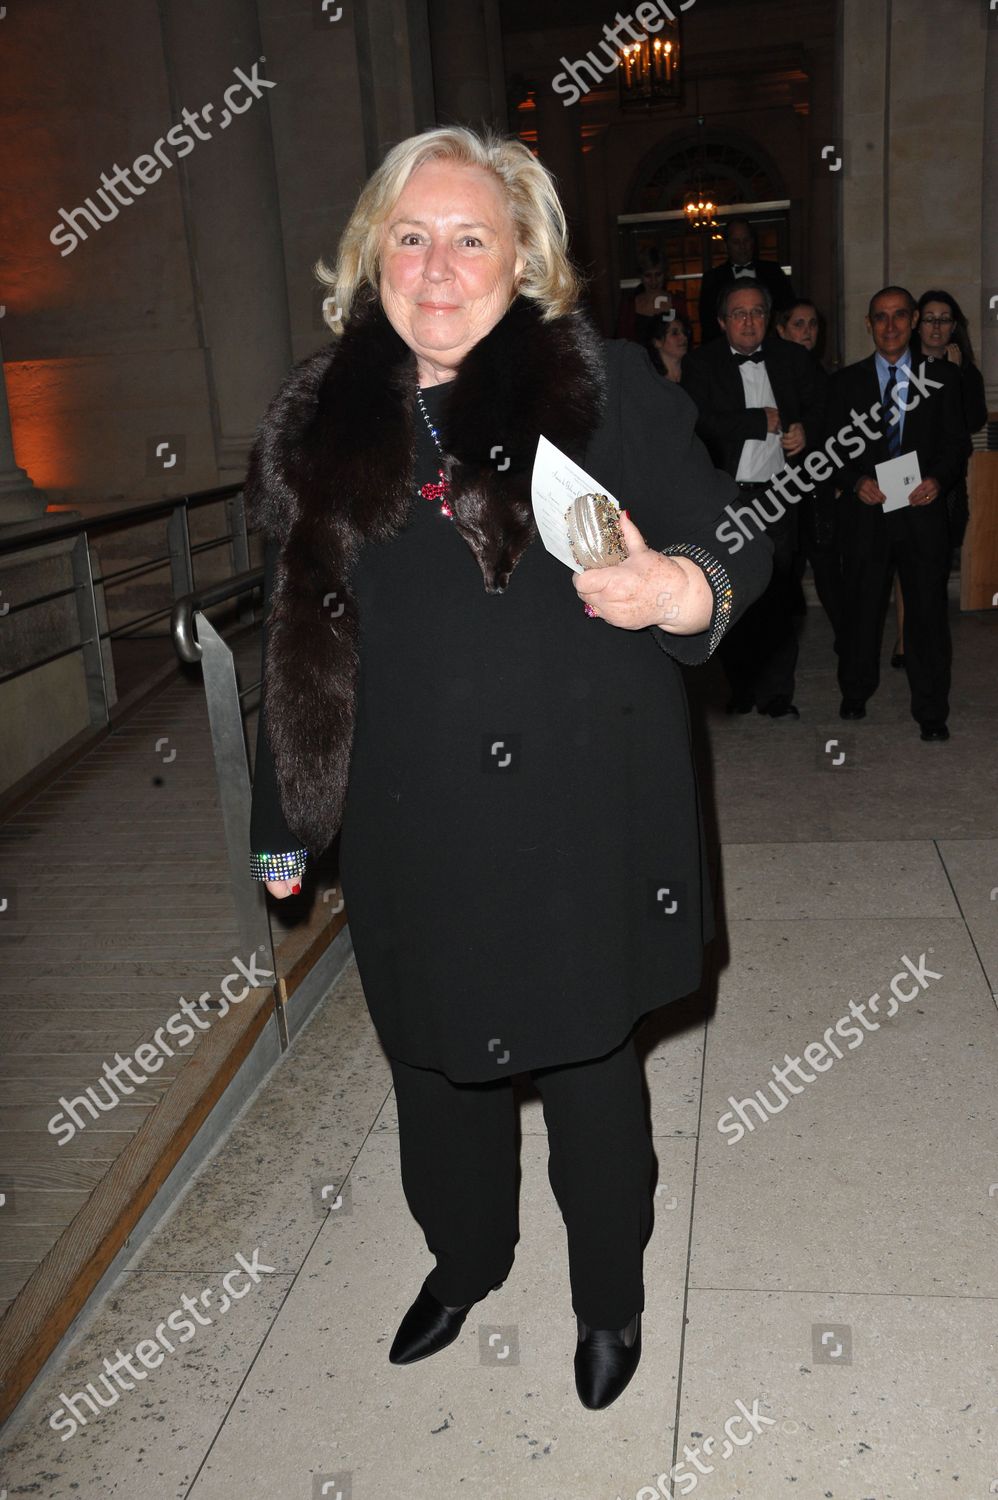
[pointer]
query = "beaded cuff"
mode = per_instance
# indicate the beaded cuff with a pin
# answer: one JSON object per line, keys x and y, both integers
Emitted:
{"x": 287, "y": 866}
{"x": 720, "y": 585}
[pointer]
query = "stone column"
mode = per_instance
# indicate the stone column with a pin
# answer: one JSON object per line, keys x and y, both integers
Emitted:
{"x": 19, "y": 500}
{"x": 395, "y": 73}
{"x": 466, "y": 48}
{"x": 988, "y": 348}
{"x": 914, "y": 147}
{"x": 937, "y": 169}
{"x": 560, "y": 148}
{"x": 865, "y": 105}
{"x": 233, "y": 216}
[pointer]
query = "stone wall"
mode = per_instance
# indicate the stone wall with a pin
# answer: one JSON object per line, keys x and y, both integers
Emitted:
{"x": 919, "y": 90}
{"x": 170, "y": 325}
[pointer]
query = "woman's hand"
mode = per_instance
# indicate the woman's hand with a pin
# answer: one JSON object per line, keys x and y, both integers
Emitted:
{"x": 648, "y": 589}
{"x": 282, "y": 888}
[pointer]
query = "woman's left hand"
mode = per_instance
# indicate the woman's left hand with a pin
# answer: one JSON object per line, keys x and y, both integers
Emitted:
{"x": 648, "y": 589}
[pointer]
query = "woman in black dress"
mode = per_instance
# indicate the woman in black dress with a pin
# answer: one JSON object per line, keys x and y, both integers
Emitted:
{"x": 642, "y": 306}
{"x": 508, "y": 755}
{"x": 943, "y": 333}
{"x": 669, "y": 343}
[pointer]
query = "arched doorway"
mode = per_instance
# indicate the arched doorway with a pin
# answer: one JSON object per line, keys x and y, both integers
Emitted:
{"x": 735, "y": 174}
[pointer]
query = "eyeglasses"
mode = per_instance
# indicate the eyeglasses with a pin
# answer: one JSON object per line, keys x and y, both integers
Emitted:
{"x": 742, "y": 314}
{"x": 938, "y": 322}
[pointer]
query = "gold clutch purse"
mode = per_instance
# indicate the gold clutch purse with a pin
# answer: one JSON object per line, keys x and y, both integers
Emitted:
{"x": 594, "y": 532}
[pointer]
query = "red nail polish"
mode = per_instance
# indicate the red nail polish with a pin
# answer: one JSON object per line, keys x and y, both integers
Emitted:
{"x": 295, "y": 889}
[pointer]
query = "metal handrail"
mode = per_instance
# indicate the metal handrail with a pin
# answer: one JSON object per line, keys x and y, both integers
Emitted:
{"x": 196, "y": 640}
{"x": 87, "y": 580}
{"x": 29, "y": 534}
{"x": 182, "y": 630}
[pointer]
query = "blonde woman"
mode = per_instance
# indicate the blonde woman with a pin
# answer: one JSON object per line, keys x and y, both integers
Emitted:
{"x": 503, "y": 743}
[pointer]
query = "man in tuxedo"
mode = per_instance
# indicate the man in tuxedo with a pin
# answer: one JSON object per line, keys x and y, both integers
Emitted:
{"x": 904, "y": 411}
{"x": 759, "y": 403}
{"x": 740, "y": 264}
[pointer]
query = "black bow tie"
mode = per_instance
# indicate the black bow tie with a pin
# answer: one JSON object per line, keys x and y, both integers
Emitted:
{"x": 758, "y": 358}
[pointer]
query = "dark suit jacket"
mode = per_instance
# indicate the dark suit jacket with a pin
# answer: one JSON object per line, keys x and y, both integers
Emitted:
{"x": 717, "y": 278}
{"x": 712, "y": 377}
{"x": 935, "y": 427}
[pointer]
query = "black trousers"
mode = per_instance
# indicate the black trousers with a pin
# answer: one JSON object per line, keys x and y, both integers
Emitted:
{"x": 821, "y": 546}
{"x": 458, "y": 1145}
{"x": 759, "y": 652}
{"x": 915, "y": 542}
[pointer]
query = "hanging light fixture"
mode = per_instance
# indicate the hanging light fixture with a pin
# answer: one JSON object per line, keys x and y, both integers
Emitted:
{"x": 700, "y": 213}
{"x": 649, "y": 71}
{"x": 699, "y": 210}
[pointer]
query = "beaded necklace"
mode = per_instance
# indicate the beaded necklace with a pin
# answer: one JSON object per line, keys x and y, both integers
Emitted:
{"x": 439, "y": 488}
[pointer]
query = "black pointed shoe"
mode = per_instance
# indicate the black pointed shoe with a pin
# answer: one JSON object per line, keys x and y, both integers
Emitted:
{"x": 428, "y": 1327}
{"x": 605, "y": 1360}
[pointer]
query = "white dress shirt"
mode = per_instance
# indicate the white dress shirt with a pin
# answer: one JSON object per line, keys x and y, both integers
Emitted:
{"x": 761, "y": 457}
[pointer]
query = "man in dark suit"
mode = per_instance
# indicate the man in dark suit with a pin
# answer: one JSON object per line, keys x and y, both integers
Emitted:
{"x": 740, "y": 264}
{"x": 759, "y": 405}
{"x": 903, "y": 410}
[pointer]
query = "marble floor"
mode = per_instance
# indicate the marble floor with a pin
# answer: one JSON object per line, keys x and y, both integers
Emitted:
{"x": 822, "y": 1281}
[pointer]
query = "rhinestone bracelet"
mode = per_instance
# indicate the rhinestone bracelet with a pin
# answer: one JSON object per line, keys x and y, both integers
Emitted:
{"x": 720, "y": 585}
{"x": 286, "y": 866}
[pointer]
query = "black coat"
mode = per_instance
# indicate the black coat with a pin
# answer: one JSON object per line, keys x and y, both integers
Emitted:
{"x": 975, "y": 401}
{"x": 935, "y": 427}
{"x": 772, "y": 276}
{"x": 499, "y": 920}
{"x": 712, "y": 377}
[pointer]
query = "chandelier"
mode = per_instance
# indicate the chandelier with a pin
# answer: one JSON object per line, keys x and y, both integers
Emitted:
{"x": 700, "y": 213}
{"x": 698, "y": 209}
{"x": 649, "y": 70}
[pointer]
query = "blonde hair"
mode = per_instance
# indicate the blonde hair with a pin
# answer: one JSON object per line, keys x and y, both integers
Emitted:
{"x": 528, "y": 189}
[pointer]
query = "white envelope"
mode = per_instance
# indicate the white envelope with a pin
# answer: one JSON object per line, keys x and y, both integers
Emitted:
{"x": 555, "y": 483}
{"x": 897, "y": 478}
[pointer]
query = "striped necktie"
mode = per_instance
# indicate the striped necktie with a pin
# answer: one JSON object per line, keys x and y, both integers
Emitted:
{"x": 892, "y": 415}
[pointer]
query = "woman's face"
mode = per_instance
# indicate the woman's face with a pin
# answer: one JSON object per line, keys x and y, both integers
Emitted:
{"x": 653, "y": 280}
{"x": 802, "y": 326}
{"x": 675, "y": 341}
{"x": 936, "y": 335}
{"x": 449, "y": 263}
